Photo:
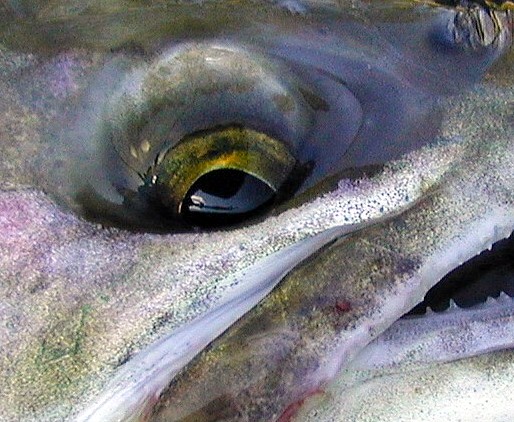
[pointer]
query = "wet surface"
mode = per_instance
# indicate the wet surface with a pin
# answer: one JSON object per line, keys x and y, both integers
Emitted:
{"x": 95, "y": 95}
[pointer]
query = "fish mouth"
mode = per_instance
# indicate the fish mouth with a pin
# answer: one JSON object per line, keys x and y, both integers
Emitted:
{"x": 458, "y": 339}
{"x": 487, "y": 275}
{"x": 465, "y": 285}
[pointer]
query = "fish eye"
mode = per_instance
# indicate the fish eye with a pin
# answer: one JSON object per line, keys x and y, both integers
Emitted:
{"x": 219, "y": 177}
{"x": 206, "y": 135}
{"x": 203, "y": 135}
{"x": 218, "y": 129}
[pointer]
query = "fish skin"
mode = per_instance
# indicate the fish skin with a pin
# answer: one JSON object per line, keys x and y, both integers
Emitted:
{"x": 381, "y": 271}
{"x": 470, "y": 389}
{"x": 426, "y": 367}
{"x": 453, "y": 365}
{"x": 36, "y": 247}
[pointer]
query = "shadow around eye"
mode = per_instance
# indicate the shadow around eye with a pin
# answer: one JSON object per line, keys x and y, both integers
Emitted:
{"x": 341, "y": 92}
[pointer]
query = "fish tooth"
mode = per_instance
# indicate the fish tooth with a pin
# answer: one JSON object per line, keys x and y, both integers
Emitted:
{"x": 453, "y": 305}
{"x": 490, "y": 301}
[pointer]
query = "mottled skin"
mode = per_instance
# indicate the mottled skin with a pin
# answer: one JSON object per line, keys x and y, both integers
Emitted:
{"x": 378, "y": 273}
{"x": 78, "y": 300}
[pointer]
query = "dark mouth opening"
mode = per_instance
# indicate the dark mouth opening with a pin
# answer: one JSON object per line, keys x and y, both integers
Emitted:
{"x": 486, "y": 275}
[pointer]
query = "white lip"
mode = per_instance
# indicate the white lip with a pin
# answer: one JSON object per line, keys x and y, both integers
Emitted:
{"x": 495, "y": 226}
{"x": 138, "y": 383}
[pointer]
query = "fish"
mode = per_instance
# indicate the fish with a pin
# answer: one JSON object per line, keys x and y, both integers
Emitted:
{"x": 454, "y": 364}
{"x": 347, "y": 316}
{"x": 112, "y": 312}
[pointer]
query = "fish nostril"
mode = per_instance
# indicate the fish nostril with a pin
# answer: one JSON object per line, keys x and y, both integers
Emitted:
{"x": 475, "y": 26}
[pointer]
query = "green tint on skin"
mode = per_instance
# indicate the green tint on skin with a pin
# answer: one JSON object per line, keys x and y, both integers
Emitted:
{"x": 79, "y": 301}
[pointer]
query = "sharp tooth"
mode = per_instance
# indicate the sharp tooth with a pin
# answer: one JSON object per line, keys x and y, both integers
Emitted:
{"x": 490, "y": 301}
{"x": 429, "y": 311}
{"x": 504, "y": 297}
{"x": 486, "y": 241}
{"x": 453, "y": 305}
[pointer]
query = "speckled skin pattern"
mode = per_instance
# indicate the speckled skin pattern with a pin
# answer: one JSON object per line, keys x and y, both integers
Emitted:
{"x": 79, "y": 300}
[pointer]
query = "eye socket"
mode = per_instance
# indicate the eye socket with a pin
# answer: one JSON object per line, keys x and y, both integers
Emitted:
{"x": 218, "y": 177}
{"x": 202, "y": 135}
{"x": 210, "y": 133}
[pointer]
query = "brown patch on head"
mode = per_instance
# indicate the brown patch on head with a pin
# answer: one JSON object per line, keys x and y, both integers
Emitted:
{"x": 284, "y": 103}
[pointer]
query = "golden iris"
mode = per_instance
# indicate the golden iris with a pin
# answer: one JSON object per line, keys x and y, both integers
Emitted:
{"x": 228, "y": 171}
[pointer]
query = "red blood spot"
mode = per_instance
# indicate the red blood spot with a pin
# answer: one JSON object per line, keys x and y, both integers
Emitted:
{"x": 290, "y": 411}
{"x": 293, "y": 408}
{"x": 343, "y": 306}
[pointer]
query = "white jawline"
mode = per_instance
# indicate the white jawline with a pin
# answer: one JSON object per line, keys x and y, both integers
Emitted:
{"x": 140, "y": 381}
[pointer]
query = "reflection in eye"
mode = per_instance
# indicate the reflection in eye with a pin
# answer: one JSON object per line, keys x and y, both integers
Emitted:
{"x": 219, "y": 177}
{"x": 225, "y": 194}
{"x": 313, "y": 102}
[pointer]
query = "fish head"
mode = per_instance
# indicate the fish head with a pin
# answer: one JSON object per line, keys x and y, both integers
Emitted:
{"x": 371, "y": 103}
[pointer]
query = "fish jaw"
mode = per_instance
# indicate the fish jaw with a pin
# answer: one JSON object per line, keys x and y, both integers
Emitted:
{"x": 79, "y": 318}
{"x": 295, "y": 358}
{"x": 425, "y": 339}
{"x": 379, "y": 273}
{"x": 430, "y": 364}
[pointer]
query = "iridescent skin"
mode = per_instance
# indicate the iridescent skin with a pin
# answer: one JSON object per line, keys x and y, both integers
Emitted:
{"x": 80, "y": 300}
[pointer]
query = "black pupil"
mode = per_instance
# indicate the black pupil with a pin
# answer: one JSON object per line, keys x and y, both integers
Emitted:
{"x": 225, "y": 196}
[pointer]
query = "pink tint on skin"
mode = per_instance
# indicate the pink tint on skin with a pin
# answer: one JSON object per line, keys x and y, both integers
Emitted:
{"x": 292, "y": 409}
{"x": 63, "y": 81}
